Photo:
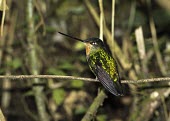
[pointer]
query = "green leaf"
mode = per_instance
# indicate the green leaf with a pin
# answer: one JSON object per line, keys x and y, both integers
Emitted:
{"x": 80, "y": 110}
{"x": 2, "y": 70}
{"x": 58, "y": 96}
{"x": 55, "y": 71}
{"x": 29, "y": 93}
{"x": 77, "y": 84}
{"x": 66, "y": 65}
{"x": 101, "y": 117}
{"x": 50, "y": 29}
{"x": 79, "y": 46}
{"x": 16, "y": 63}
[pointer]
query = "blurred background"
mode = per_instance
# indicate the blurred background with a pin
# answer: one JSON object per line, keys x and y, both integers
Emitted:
{"x": 31, "y": 45}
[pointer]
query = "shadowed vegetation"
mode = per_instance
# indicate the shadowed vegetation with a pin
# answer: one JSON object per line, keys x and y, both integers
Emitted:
{"x": 31, "y": 45}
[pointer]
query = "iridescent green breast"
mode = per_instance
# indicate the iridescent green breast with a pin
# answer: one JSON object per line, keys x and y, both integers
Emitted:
{"x": 101, "y": 58}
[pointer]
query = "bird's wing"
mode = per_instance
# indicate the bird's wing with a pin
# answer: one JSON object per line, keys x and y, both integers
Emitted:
{"x": 108, "y": 82}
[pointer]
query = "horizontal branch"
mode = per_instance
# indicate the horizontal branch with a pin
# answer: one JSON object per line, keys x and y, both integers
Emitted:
{"x": 46, "y": 77}
{"x": 79, "y": 78}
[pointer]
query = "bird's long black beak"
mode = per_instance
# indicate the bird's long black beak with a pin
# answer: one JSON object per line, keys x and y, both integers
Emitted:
{"x": 71, "y": 37}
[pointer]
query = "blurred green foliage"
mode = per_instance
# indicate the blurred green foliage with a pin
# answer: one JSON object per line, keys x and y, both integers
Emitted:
{"x": 59, "y": 55}
{"x": 58, "y": 95}
{"x": 15, "y": 63}
{"x": 77, "y": 84}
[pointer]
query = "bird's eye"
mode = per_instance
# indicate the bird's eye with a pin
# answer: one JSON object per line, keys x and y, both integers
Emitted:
{"x": 94, "y": 43}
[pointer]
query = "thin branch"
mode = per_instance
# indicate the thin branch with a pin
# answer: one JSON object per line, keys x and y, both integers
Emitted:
{"x": 41, "y": 22}
{"x": 146, "y": 80}
{"x": 46, "y": 77}
{"x": 161, "y": 79}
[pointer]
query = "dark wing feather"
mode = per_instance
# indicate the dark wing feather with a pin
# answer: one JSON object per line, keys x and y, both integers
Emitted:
{"x": 107, "y": 82}
{"x": 104, "y": 67}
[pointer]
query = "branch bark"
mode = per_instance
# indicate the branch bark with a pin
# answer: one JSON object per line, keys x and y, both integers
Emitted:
{"x": 94, "y": 106}
{"x": 21, "y": 77}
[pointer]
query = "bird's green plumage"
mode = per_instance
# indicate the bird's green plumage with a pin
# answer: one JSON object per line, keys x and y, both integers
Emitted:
{"x": 101, "y": 57}
{"x": 104, "y": 67}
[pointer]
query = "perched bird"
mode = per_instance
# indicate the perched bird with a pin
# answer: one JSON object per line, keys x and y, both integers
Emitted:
{"x": 102, "y": 64}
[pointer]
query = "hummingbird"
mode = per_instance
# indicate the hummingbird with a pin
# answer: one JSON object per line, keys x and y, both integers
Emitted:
{"x": 102, "y": 64}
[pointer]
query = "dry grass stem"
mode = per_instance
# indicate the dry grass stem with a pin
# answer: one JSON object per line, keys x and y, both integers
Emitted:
{"x": 113, "y": 23}
{"x": 156, "y": 47}
{"x": 140, "y": 42}
{"x": 101, "y": 19}
{"x": 2, "y": 118}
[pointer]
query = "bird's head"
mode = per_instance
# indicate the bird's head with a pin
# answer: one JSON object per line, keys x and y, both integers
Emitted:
{"x": 92, "y": 44}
